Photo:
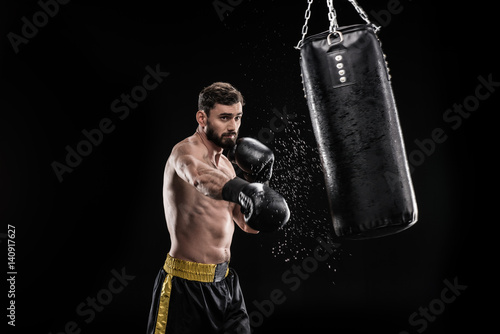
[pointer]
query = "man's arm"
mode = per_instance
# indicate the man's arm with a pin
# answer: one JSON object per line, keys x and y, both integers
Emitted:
{"x": 239, "y": 219}
{"x": 263, "y": 208}
{"x": 206, "y": 179}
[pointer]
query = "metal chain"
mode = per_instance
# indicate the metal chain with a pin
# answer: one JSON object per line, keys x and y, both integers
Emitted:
{"x": 305, "y": 27}
{"x": 332, "y": 18}
{"x": 363, "y": 15}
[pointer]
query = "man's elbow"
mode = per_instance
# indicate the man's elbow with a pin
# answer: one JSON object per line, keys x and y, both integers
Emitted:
{"x": 248, "y": 229}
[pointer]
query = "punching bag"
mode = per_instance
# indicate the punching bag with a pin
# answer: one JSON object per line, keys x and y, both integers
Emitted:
{"x": 356, "y": 126}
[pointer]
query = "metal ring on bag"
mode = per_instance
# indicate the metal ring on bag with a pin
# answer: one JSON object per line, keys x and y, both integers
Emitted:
{"x": 340, "y": 36}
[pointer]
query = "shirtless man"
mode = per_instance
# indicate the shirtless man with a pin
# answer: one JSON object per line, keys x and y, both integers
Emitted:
{"x": 196, "y": 291}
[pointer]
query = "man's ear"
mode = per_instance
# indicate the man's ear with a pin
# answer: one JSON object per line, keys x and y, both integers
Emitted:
{"x": 201, "y": 118}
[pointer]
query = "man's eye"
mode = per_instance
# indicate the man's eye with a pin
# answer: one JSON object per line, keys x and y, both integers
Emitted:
{"x": 223, "y": 118}
{"x": 237, "y": 118}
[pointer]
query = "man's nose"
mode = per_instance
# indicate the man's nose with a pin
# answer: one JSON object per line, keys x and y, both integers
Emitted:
{"x": 232, "y": 125}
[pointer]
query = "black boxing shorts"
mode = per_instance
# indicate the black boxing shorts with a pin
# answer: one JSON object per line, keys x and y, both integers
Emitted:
{"x": 190, "y": 297}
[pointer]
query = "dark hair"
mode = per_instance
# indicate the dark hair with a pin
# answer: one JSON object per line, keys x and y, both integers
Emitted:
{"x": 218, "y": 92}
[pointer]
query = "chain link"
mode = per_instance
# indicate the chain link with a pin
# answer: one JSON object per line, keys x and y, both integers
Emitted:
{"x": 363, "y": 15}
{"x": 305, "y": 27}
{"x": 332, "y": 18}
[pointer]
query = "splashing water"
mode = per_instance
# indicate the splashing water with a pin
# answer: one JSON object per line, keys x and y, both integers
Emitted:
{"x": 298, "y": 176}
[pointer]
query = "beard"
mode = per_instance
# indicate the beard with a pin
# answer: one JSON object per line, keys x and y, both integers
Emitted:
{"x": 225, "y": 143}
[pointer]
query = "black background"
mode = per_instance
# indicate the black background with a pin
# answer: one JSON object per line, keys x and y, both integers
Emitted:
{"x": 107, "y": 214}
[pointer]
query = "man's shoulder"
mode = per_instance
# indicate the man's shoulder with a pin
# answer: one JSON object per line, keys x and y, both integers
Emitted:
{"x": 188, "y": 146}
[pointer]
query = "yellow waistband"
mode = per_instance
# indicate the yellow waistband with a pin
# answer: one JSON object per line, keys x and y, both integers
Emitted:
{"x": 192, "y": 271}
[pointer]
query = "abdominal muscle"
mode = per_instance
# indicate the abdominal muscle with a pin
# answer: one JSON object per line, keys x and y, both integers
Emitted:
{"x": 201, "y": 228}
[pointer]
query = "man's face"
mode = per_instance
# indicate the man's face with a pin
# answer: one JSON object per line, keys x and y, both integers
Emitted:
{"x": 223, "y": 124}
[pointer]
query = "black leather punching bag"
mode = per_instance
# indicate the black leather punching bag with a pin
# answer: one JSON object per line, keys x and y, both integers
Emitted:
{"x": 355, "y": 121}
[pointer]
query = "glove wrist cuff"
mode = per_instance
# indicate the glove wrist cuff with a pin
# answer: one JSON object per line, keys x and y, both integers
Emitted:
{"x": 232, "y": 189}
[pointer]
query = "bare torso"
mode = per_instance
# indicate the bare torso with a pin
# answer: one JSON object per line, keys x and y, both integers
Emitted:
{"x": 201, "y": 228}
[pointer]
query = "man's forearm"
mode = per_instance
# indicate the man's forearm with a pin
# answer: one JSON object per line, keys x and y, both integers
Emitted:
{"x": 210, "y": 182}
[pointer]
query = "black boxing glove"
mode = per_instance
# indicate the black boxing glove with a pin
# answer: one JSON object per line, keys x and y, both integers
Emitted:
{"x": 264, "y": 209}
{"x": 254, "y": 159}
